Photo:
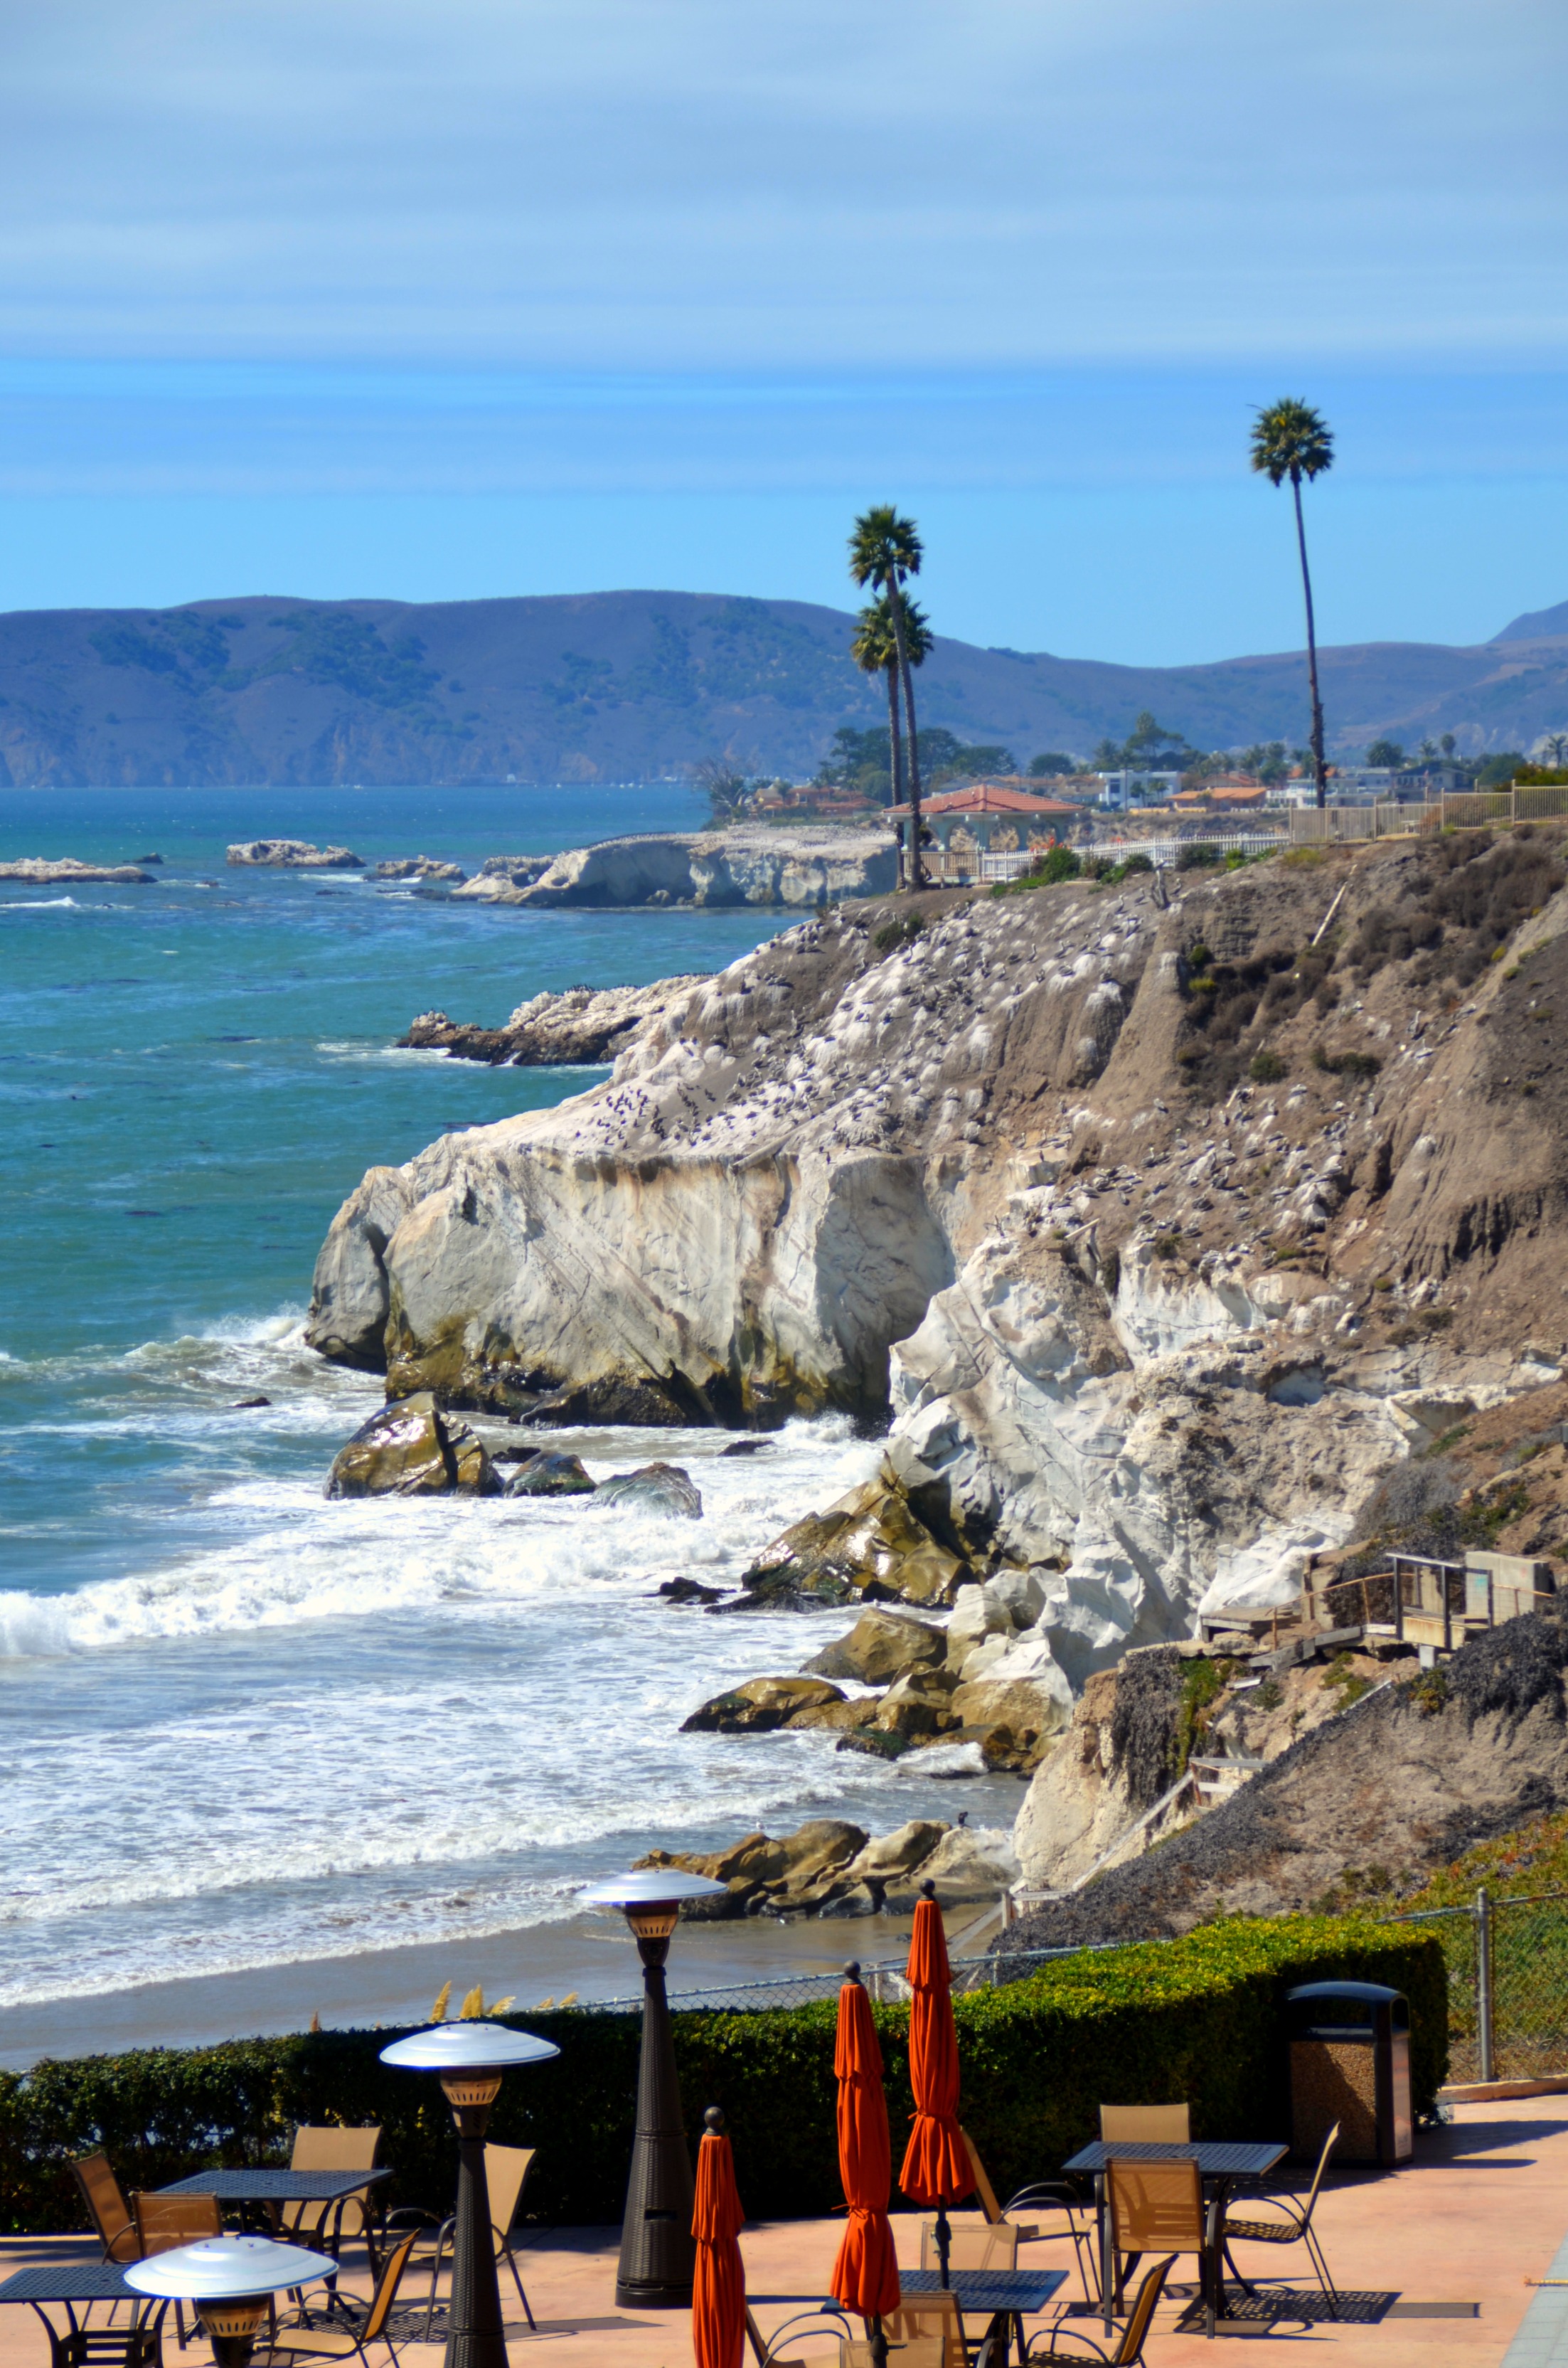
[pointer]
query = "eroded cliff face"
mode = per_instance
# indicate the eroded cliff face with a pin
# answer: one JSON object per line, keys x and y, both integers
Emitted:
{"x": 1166, "y": 1215}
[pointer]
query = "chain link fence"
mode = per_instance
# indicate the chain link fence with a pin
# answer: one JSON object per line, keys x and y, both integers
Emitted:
{"x": 1508, "y": 1984}
{"x": 885, "y": 1982}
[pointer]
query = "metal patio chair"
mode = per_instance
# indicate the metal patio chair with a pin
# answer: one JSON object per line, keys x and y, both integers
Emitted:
{"x": 1295, "y": 2226}
{"x": 1048, "y": 2350}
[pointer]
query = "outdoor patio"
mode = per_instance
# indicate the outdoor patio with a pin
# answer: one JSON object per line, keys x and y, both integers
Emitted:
{"x": 1482, "y": 2208}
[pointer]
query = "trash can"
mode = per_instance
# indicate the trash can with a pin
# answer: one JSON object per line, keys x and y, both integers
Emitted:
{"x": 1350, "y": 2063}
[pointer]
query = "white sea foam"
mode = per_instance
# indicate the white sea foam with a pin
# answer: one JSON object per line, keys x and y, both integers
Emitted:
{"x": 38, "y": 904}
{"x": 332, "y": 1727}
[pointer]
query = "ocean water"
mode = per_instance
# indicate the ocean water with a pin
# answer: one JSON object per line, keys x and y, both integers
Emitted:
{"x": 239, "y": 1725}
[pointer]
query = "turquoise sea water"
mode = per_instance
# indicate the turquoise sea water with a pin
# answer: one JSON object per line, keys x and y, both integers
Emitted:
{"x": 238, "y": 1724}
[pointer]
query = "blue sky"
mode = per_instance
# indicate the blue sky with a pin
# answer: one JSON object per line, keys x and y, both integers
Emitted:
{"x": 447, "y": 298}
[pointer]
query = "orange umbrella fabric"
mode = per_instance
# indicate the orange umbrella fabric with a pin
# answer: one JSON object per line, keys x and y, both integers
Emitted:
{"x": 865, "y": 2275}
{"x": 719, "y": 2280}
{"x": 935, "y": 2163}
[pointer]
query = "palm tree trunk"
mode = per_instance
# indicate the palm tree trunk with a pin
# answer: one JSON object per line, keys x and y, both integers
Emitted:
{"x": 1319, "y": 774}
{"x": 895, "y": 751}
{"x": 895, "y": 609}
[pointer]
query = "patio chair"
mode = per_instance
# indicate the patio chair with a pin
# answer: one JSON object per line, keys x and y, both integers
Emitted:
{"x": 506, "y": 2175}
{"x": 919, "y": 2352}
{"x": 1157, "y": 2207}
{"x": 1145, "y": 2125}
{"x": 821, "y": 2319}
{"x": 972, "y": 2245}
{"x": 342, "y": 2334}
{"x": 164, "y": 2222}
{"x": 111, "y": 2215}
{"x": 1049, "y": 2350}
{"x": 1295, "y": 2226}
{"x": 1041, "y": 2195}
{"x": 138, "y": 2345}
{"x": 930, "y": 2321}
{"x": 331, "y": 2148}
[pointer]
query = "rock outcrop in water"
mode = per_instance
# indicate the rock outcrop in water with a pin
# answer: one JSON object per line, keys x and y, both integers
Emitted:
{"x": 293, "y": 855}
{"x": 1166, "y": 1215}
{"x": 831, "y": 1868}
{"x": 747, "y": 865}
{"x": 64, "y": 871}
{"x": 421, "y": 867}
{"x": 580, "y": 1024}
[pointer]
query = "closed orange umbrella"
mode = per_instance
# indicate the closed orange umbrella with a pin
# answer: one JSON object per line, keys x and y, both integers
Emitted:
{"x": 935, "y": 2164}
{"x": 865, "y": 2275}
{"x": 719, "y": 2280}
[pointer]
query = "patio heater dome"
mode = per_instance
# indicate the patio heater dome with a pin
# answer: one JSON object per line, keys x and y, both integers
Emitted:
{"x": 230, "y": 2279}
{"x": 216, "y": 2267}
{"x": 469, "y": 2056}
{"x": 649, "y": 1898}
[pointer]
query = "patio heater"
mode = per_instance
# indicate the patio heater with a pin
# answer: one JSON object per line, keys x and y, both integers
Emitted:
{"x": 471, "y": 2057}
{"x": 231, "y": 2279}
{"x": 658, "y": 2251}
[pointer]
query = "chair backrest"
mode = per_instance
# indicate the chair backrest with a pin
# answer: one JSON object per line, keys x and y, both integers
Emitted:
{"x": 1328, "y": 2145}
{"x": 386, "y": 2292}
{"x": 925, "y": 2319}
{"x": 983, "y": 2186}
{"x": 1156, "y": 2207}
{"x": 972, "y": 2245}
{"x": 1145, "y": 2124}
{"x": 1129, "y": 2350}
{"x": 505, "y": 2174}
{"x": 165, "y": 2221}
{"x": 111, "y": 2214}
{"x": 328, "y": 2147}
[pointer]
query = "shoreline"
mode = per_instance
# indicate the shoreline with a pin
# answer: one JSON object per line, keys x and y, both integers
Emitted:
{"x": 590, "y": 1954}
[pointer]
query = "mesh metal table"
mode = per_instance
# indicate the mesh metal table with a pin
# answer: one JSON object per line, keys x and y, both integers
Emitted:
{"x": 999, "y": 2295}
{"x": 272, "y": 2189}
{"x": 1221, "y": 2163}
{"x": 66, "y": 2283}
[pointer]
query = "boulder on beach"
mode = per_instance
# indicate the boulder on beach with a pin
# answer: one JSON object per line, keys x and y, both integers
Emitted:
{"x": 970, "y": 1864}
{"x": 870, "y": 1542}
{"x": 543, "y": 1475}
{"x": 880, "y": 1646}
{"x": 762, "y": 1705}
{"x": 796, "y": 1873}
{"x": 293, "y": 855}
{"x": 662, "y": 1488}
{"x": 413, "y": 1449}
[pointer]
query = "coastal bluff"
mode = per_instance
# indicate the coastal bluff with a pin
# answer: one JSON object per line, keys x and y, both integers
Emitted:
{"x": 1165, "y": 1218}
{"x": 747, "y": 865}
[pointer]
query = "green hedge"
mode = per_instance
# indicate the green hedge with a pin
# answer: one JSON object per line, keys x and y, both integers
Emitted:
{"x": 1198, "y": 2017}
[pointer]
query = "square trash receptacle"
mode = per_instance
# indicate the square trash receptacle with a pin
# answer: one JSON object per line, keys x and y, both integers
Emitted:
{"x": 1350, "y": 2063}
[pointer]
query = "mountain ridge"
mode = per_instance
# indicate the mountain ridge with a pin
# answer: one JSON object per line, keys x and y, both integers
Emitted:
{"x": 621, "y": 686}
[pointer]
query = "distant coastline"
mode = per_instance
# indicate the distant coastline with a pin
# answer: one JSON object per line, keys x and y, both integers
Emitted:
{"x": 639, "y": 687}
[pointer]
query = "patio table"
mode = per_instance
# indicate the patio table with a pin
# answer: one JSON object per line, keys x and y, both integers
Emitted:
{"x": 70, "y": 2283}
{"x": 275, "y": 2188}
{"x": 1000, "y": 2295}
{"x": 1221, "y": 2163}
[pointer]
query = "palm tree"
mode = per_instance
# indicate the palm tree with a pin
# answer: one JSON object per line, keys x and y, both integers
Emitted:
{"x": 1290, "y": 439}
{"x": 883, "y": 550}
{"x": 875, "y": 651}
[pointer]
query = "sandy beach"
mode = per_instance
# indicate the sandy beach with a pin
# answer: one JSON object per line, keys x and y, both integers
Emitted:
{"x": 587, "y": 1955}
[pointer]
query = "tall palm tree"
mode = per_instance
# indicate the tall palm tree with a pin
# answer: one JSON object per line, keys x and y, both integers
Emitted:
{"x": 875, "y": 651}
{"x": 884, "y": 549}
{"x": 1290, "y": 439}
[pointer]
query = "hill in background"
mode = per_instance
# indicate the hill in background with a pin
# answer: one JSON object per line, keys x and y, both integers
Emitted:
{"x": 634, "y": 686}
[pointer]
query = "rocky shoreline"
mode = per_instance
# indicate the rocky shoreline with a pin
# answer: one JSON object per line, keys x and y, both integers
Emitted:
{"x": 1165, "y": 1227}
